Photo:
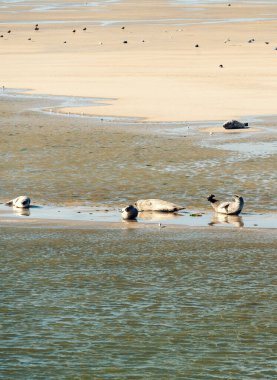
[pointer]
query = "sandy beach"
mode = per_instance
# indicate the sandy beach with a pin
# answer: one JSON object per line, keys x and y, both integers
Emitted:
{"x": 158, "y": 74}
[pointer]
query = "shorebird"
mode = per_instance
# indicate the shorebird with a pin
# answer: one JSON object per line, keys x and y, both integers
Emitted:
{"x": 233, "y": 207}
{"x": 128, "y": 213}
{"x": 20, "y": 202}
{"x": 157, "y": 205}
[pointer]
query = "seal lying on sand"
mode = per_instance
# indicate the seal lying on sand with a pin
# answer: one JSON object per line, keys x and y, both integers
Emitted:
{"x": 129, "y": 212}
{"x": 157, "y": 205}
{"x": 20, "y": 202}
{"x": 229, "y": 208}
{"x": 234, "y": 124}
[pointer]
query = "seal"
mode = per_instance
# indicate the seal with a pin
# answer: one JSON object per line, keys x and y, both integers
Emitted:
{"x": 233, "y": 207}
{"x": 157, "y": 205}
{"x": 20, "y": 202}
{"x": 128, "y": 213}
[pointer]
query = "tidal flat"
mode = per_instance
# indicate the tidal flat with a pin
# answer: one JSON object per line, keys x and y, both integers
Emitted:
{"x": 66, "y": 160}
{"x": 85, "y": 300}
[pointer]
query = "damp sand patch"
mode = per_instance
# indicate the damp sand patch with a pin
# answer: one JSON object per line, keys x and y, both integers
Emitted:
{"x": 65, "y": 106}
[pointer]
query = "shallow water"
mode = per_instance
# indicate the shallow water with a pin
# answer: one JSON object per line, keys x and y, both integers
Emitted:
{"x": 190, "y": 218}
{"x": 111, "y": 304}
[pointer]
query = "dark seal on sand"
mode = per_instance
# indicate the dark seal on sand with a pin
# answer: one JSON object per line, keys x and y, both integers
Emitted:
{"x": 234, "y": 124}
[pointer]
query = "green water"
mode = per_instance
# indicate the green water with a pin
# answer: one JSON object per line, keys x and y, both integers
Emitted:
{"x": 137, "y": 304}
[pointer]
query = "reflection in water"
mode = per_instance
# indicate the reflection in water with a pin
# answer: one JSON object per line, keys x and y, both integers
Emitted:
{"x": 22, "y": 211}
{"x": 157, "y": 216}
{"x": 235, "y": 220}
{"x": 129, "y": 221}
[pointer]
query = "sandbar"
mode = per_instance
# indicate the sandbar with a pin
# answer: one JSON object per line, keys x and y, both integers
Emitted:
{"x": 159, "y": 61}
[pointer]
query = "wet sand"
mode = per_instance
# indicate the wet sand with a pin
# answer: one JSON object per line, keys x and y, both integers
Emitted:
{"x": 67, "y": 161}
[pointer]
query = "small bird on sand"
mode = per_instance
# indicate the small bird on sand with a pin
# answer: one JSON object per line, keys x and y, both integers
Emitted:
{"x": 84, "y": 28}
{"x": 233, "y": 207}
{"x": 20, "y": 202}
{"x": 129, "y": 213}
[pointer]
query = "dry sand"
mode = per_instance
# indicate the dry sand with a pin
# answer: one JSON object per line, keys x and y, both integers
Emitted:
{"x": 159, "y": 74}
